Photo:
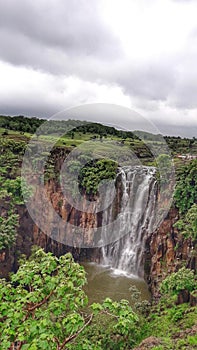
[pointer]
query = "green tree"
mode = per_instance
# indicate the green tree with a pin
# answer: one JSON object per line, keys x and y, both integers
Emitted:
{"x": 188, "y": 224}
{"x": 183, "y": 279}
{"x": 94, "y": 172}
{"x": 186, "y": 187}
{"x": 8, "y": 229}
{"x": 43, "y": 306}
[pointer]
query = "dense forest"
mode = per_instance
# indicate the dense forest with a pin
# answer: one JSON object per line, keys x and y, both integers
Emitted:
{"x": 43, "y": 304}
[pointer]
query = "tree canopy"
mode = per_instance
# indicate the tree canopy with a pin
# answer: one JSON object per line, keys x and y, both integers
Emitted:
{"x": 44, "y": 306}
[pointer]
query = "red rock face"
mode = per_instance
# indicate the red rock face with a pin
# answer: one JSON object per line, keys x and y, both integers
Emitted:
{"x": 30, "y": 234}
{"x": 166, "y": 250}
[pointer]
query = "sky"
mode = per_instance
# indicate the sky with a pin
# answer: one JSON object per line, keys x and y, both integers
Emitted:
{"x": 58, "y": 54}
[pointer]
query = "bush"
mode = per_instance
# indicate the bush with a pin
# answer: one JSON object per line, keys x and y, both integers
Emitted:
{"x": 8, "y": 229}
{"x": 186, "y": 187}
{"x": 184, "y": 279}
{"x": 94, "y": 172}
{"x": 188, "y": 224}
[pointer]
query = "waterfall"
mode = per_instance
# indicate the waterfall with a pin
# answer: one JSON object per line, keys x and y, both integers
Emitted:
{"x": 136, "y": 213}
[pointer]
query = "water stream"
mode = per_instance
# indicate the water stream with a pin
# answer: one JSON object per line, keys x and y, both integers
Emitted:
{"x": 138, "y": 205}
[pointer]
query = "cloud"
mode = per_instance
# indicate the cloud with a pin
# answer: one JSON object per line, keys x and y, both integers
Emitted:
{"x": 50, "y": 94}
{"x": 152, "y": 81}
{"x": 58, "y": 53}
{"x": 70, "y": 27}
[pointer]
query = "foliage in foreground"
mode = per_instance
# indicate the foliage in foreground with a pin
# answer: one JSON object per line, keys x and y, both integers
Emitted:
{"x": 44, "y": 306}
{"x": 173, "y": 325}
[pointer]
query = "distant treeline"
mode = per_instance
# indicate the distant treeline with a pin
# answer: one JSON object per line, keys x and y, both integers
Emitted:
{"x": 69, "y": 127}
{"x": 30, "y": 125}
{"x": 20, "y": 123}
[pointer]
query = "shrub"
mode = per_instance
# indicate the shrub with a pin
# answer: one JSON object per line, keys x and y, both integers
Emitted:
{"x": 94, "y": 172}
{"x": 184, "y": 279}
{"x": 188, "y": 224}
{"x": 186, "y": 187}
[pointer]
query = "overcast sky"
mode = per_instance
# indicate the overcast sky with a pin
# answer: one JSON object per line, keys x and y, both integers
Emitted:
{"x": 55, "y": 54}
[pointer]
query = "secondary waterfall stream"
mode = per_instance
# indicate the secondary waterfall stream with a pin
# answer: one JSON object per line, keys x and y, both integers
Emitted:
{"x": 137, "y": 211}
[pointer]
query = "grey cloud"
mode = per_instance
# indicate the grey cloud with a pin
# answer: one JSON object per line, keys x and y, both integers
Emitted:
{"x": 185, "y": 94}
{"x": 58, "y": 37}
{"x": 71, "y": 26}
{"x": 152, "y": 81}
{"x": 177, "y": 130}
{"x": 20, "y": 50}
{"x": 38, "y": 110}
{"x": 70, "y": 38}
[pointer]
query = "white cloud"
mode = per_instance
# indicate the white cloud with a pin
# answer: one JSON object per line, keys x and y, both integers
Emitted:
{"x": 26, "y": 89}
{"x": 149, "y": 29}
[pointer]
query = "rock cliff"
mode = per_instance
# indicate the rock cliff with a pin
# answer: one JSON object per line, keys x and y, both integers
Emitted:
{"x": 165, "y": 249}
{"x": 30, "y": 234}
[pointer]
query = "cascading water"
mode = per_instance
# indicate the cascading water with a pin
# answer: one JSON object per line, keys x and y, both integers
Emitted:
{"x": 137, "y": 216}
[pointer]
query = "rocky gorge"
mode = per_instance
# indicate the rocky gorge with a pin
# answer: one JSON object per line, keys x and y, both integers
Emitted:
{"x": 164, "y": 248}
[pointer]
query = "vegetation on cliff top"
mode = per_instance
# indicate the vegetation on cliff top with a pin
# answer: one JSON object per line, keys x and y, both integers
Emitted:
{"x": 95, "y": 172}
{"x": 74, "y": 132}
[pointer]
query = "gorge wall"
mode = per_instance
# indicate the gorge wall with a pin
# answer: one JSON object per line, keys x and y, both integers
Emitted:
{"x": 165, "y": 248}
{"x": 29, "y": 234}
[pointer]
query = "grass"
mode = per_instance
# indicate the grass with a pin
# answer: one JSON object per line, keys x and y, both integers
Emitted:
{"x": 67, "y": 140}
{"x": 124, "y": 151}
{"x": 172, "y": 324}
